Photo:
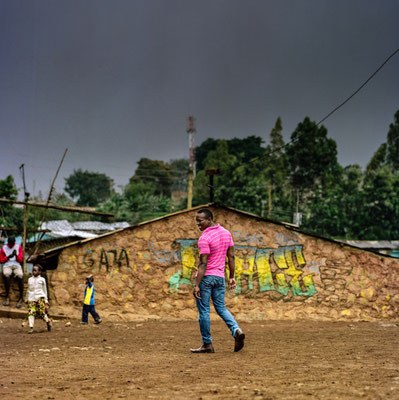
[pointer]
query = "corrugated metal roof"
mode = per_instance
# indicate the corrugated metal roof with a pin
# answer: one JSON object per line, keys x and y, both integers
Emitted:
{"x": 374, "y": 244}
{"x": 99, "y": 226}
{"x": 81, "y": 229}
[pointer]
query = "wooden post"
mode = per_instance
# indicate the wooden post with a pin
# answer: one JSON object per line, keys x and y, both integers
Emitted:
{"x": 269, "y": 214}
{"x": 83, "y": 210}
{"x": 190, "y": 187}
{"x": 26, "y": 199}
{"x": 211, "y": 172}
{"x": 191, "y": 130}
{"x": 24, "y": 238}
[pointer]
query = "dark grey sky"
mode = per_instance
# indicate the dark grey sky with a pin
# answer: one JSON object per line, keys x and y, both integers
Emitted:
{"x": 114, "y": 81}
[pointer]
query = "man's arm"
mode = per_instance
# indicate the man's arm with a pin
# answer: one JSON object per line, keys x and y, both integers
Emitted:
{"x": 232, "y": 267}
{"x": 200, "y": 275}
{"x": 20, "y": 255}
{"x": 3, "y": 257}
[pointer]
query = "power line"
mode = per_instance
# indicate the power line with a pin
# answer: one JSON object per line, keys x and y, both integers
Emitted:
{"x": 334, "y": 110}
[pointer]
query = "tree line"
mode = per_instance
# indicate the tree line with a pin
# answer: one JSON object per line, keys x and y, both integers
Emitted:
{"x": 274, "y": 180}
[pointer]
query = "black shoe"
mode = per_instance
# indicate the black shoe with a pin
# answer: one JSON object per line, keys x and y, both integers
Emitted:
{"x": 49, "y": 326}
{"x": 98, "y": 321}
{"x": 6, "y": 302}
{"x": 205, "y": 348}
{"x": 238, "y": 340}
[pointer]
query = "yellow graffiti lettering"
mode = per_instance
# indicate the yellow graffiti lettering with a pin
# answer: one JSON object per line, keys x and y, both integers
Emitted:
{"x": 299, "y": 256}
{"x": 282, "y": 284}
{"x": 188, "y": 262}
{"x": 264, "y": 272}
{"x": 280, "y": 259}
{"x": 256, "y": 264}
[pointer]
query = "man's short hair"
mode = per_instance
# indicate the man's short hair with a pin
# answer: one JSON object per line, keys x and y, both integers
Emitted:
{"x": 207, "y": 212}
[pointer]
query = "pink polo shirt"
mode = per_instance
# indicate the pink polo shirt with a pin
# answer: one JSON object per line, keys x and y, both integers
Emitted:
{"x": 215, "y": 241}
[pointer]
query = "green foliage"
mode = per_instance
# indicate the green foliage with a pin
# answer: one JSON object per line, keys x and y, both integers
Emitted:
{"x": 378, "y": 160}
{"x": 393, "y": 144}
{"x": 156, "y": 174}
{"x": 50, "y": 214}
{"x": 219, "y": 158}
{"x": 10, "y": 216}
{"x": 381, "y": 203}
{"x": 272, "y": 181}
{"x": 90, "y": 188}
{"x": 246, "y": 149}
{"x": 8, "y": 190}
{"x": 243, "y": 149}
{"x": 148, "y": 194}
{"x": 180, "y": 173}
{"x": 118, "y": 205}
{"x": 312, "y": 156}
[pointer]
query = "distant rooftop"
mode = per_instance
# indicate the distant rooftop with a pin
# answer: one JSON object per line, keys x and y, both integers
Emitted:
{"x": 81, "y": 229}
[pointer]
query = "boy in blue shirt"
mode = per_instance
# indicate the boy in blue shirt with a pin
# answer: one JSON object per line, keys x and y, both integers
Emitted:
{"x": 88, "y": 303}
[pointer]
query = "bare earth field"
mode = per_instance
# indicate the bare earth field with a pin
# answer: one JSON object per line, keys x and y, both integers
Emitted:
{"x": 151, "y": 360}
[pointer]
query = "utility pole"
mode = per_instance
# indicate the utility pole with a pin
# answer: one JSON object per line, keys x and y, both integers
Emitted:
{"x": 49, "y": 198}
{"x": 191, "y": 130}
{"x": 211, "y": 173}
{"x": 26, "y": 199}
{"x": 269, "y": 214}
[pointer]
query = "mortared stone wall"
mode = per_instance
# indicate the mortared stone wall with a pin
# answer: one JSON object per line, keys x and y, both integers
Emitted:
{"x": 281, "y": 273}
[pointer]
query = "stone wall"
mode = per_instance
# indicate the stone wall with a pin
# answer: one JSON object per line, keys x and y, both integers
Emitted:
{"x": 281, "y": 273}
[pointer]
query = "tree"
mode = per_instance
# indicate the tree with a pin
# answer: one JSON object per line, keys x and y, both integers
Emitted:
{"x": 246, "y": 149}
{"x": 10, "y": 216}
{"x": 118, "y": 205}
{"x": 180, "y": 173}
{"x": 378, "y": 160}
{"x": 90, "y": 188}
{"x": 381, "y": 204}
{"x": 202, "y": 151}
{"x": 312, "y": 156}
{"x": 316, "y": 177}
{"x": 216, "y": 159}
{"x": 243, "y": 149}
{"x": 8, "y": 190}
{"x": 276, "y": 174}
{"x": 393, "y": 144}
{"x": 158, "y": 174}
{"x": 352, "y": 201}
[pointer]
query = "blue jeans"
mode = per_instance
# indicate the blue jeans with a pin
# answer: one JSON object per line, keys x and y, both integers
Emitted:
{"x": 85, "y": 313}
{"x": 213, "y": 287}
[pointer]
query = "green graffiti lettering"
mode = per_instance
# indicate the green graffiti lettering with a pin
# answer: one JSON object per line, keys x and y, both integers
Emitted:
{"x": 251, "y": 263}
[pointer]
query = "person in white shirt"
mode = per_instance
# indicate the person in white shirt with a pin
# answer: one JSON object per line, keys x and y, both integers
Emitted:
{"x": 37, "y": 298}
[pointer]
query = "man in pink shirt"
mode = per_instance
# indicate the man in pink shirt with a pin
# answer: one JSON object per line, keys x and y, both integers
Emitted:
{"x": 214, "y": 244}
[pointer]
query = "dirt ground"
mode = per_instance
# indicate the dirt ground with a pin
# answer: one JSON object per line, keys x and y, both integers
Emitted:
{"x": 151, "y": 360}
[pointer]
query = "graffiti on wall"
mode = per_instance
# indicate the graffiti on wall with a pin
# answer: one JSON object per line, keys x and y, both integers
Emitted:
{"x": 254, "y": 264}
{"x": 163, "y": 256}
{"x": 245, "y": 237}
{"x": 284, "y": 239}
{"x": 107, "y": 259}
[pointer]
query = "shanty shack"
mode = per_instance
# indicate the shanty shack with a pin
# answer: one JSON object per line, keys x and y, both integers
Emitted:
{"x": 282, "y": 272}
